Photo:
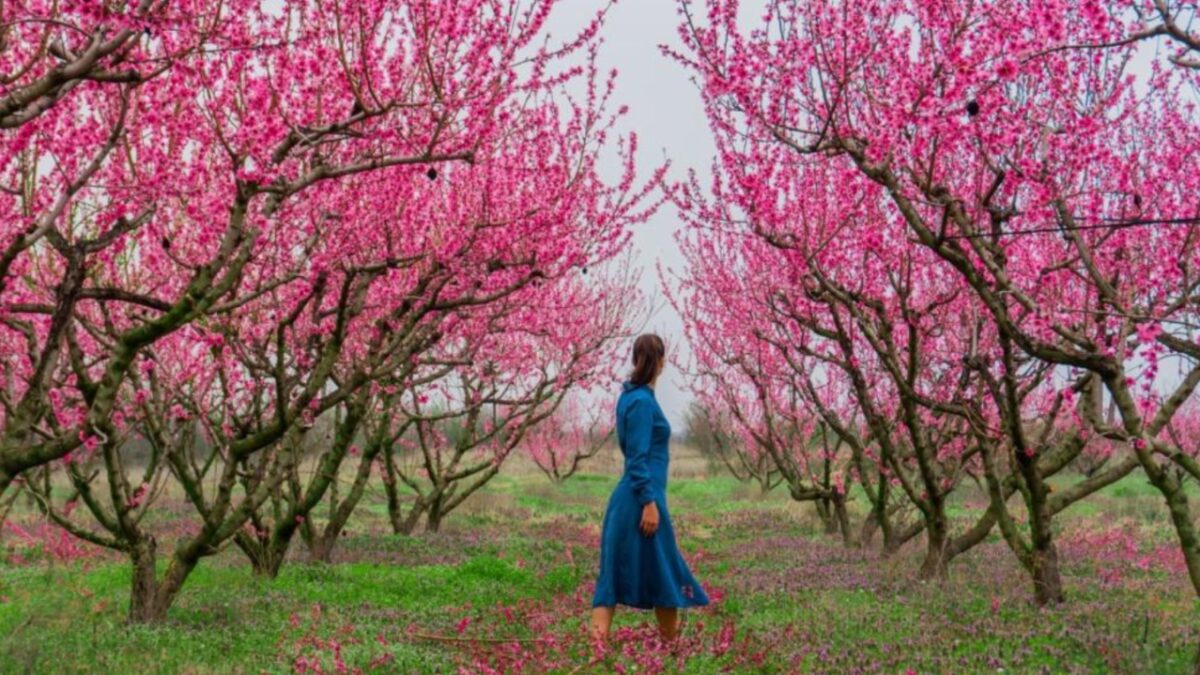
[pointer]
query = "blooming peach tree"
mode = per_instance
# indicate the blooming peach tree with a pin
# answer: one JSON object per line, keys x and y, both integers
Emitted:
{"x": 336, "y": 197}
{"x": 974, "y": 203}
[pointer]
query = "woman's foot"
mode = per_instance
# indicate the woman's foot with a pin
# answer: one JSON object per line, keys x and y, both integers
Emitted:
{"x": 668, "y": 623}
{"x": 601, "y": 622}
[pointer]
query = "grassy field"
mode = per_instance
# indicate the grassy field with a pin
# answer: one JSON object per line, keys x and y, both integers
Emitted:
{"x": 507, "y": 585}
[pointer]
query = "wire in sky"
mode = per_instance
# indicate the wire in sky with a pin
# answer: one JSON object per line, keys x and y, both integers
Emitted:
{"x": 1105, "y": 224}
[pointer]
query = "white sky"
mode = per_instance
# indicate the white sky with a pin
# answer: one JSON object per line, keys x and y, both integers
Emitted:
{"x": 666, "y": 112}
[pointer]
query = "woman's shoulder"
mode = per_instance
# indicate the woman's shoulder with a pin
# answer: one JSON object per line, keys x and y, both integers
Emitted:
{"x": 636, "y": 395}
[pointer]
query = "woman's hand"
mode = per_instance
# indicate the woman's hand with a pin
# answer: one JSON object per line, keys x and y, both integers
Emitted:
{"x": 649, "y": 519}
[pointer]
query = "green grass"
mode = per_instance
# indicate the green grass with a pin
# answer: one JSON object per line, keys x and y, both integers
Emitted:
{"x": 793, "y": 594}
{"x": 72, "y": 619}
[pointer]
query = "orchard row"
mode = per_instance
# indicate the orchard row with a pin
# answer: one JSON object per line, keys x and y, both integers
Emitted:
{"x": 948, "y": 244}
{"x": 249, "y": 248}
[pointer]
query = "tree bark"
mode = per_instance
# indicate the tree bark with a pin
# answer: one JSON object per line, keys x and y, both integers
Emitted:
{"x": 433, "y": 519}
{"x": 408, "y": 524}
{"x": 1047, "y": 582}
{"x": 1185, "y": 529}
{"x": 866, "y": 534}
{"x": 1043, "y": 563}
{"x": 145, "y": 583}
{"x": 320, "y": 549}
{"x": 899, "y": 538}
{"x": 936, "y": 558}
{"x": 151, "y": 597}
{"x": 266, "y": 556}
{"x": 881, "y": 518}
{"x": 829, "y": 524}
{"x": 842, "y": 518}
{"x": 404, "y": 523}
{"x": 322, "y": 544}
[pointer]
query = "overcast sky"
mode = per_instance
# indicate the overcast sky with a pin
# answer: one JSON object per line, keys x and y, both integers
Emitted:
{"x": 666, "y": 112}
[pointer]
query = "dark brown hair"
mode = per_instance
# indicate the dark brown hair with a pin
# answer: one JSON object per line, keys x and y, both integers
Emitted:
{"x": 648, "y": 353}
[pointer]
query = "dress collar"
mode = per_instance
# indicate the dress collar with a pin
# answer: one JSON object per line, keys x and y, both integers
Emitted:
{"x": 628, "y": 386}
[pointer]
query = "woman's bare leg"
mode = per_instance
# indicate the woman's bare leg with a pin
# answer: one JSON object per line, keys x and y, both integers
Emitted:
{"x": 668, "y": 622}
{"x": 601, "y": 621}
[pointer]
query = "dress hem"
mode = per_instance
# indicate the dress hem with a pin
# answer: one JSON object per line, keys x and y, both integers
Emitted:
{"x": 688, "y": 605}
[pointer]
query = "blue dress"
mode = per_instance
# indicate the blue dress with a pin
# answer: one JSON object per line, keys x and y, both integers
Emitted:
{"x": 636, "y": 570}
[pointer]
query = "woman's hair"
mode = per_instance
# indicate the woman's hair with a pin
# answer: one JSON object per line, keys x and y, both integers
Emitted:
{"x": 648, "y": 354}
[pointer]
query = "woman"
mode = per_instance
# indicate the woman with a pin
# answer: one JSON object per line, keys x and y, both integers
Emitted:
{"x": 640, "y": 565}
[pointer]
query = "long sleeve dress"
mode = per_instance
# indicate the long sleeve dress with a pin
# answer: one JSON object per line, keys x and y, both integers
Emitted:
{"x": 636, "y": 570}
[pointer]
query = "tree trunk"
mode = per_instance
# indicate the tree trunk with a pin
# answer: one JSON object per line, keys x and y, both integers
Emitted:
{"x": 266, "y": 556}
{"x": 866, "y": 533}
{"x": 408, "y": 525}
{"x": 935, "y": 561}
{"x": 402, "y": 523}
{"x": 901, "y": 537}
{"x": 843, "y": 521}
{"x": 172, "y": 582}
{"x": 321, "y": 545}
{"x": 1047, "y": 583}
{"x": 433, "y": 520}
{"x": 1185, "y": 529}
{"x": 880, "y": 519}
{"x": 1181, "y": 514}
{"x": 1171, "y": 489}
{"x": 892, "y": 539}
{"x": 151, "y": 597}
{"x": 271, "y": 561}
{"x": 1043, "y": 563}
{"x": 145, "y": 583}
{"x": 320, "y": 549}
{"x": 254, "y": 551}
{"x": 6, "y": 507}
{"x": 764, "y": 485}
{"x": 1043, "y": 556}
{"x": 405, "y": 523}
{"x": 828, "y": 522}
